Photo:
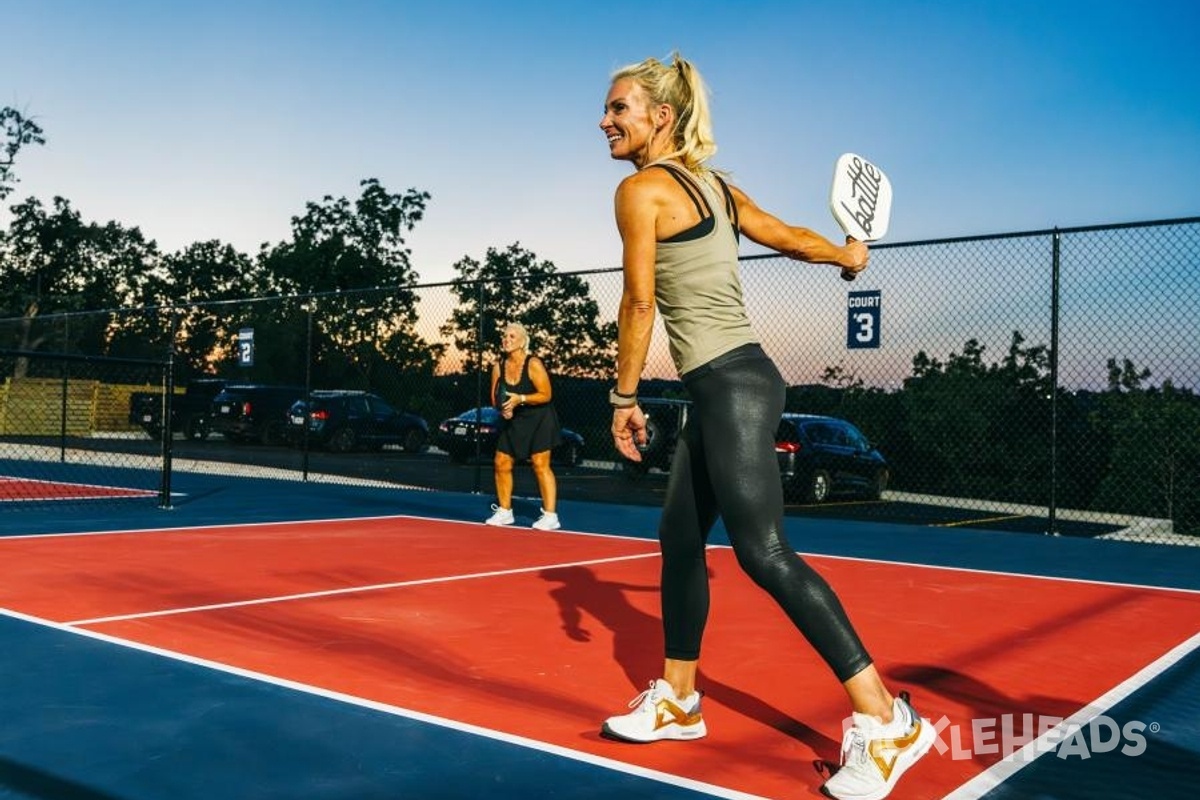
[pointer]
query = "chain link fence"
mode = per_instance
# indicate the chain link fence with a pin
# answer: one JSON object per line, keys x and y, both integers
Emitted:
{"x": 1049, "y": 375}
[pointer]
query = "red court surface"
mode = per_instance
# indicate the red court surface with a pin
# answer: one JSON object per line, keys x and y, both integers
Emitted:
{"x": 543, "y": 635}
{"x": 18, "y": 489}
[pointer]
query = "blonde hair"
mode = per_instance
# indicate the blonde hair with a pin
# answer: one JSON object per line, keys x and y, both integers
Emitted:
{"x": 680, "y": 86}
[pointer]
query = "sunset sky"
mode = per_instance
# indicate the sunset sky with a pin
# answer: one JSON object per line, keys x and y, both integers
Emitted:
{"x": 220, "y": 120}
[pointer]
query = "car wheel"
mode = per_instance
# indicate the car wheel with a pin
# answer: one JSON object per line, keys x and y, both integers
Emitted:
{"x": 818, "y": 487}
{"x": 196, "y": 428}
{"x": 878, "y": 485}
{"x": 342, "y": 440}
{"x": 415, "y": 441}
{"x": 154, "y": 433}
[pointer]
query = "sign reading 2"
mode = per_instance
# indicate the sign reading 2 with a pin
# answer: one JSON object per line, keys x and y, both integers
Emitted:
{"x": 862, "y": 322}
{"x": 245, "y": 347}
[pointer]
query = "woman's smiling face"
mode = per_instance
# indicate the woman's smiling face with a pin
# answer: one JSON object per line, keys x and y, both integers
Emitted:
{"x": 627, "y": 122}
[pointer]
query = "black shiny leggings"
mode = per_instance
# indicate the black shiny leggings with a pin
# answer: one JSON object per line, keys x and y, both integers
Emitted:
{"x": 725, "y": 465}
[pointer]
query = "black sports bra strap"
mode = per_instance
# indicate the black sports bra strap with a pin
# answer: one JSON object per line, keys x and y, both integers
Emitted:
{"x": 730, "y": 203}
{"x": 692, "y": 191}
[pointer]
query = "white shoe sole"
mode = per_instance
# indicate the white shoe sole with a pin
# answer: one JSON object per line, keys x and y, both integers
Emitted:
{"x": 669, "y": 733}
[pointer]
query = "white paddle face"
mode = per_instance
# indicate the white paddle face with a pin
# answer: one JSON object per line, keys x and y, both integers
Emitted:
{"x": 860, "y": 198}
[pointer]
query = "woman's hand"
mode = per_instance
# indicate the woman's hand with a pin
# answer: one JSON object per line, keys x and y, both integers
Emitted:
{"x": 508, "y": 406}
{"x": 629, "y": 431}
{"x": 855, "y": 256}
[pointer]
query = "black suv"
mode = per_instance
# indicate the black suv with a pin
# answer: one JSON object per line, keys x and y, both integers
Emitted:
{"x": 345, "y": 420}
{"x": 253, "y": 412}
{"x": 820, "y": 456}
{"x": 665, "y": 419}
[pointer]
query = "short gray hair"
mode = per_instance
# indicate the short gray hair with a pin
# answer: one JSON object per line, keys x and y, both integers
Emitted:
{"x": 519, "y": 328}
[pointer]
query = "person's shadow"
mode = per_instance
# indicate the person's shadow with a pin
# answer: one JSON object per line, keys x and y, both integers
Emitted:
{"x": 637, "y": 648}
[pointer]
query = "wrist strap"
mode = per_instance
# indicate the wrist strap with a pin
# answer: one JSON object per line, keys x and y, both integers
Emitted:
{"x": 618, "y": 400}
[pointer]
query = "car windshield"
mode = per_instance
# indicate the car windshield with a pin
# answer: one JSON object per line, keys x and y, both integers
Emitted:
{"x": 486, "y": 414}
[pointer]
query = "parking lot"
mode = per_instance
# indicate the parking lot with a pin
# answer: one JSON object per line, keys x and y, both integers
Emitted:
{"x": 595, "y": 481}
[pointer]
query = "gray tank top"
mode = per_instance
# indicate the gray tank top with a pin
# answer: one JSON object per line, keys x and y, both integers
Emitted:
{"x": 698, "y": 289}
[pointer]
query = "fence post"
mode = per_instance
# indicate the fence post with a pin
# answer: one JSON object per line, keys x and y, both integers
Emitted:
{"x": 308, "y": 357}
{"x": 478, "y": 388}
{"x": 165, "y": 422}
{"x": 1052, "y": 525}
{"x": 63, "y": 405}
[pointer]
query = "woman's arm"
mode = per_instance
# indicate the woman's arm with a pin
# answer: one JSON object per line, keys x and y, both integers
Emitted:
{"x": 541, "y": 384}
{"x": 802, "y": 244}
{"x": 638, "y": 200}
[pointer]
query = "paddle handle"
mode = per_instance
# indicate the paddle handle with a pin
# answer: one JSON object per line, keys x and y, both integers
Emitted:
{"x": 849, "y": 275}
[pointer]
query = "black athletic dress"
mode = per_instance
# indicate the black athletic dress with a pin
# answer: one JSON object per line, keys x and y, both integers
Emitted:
{"x": 533, "y": 428}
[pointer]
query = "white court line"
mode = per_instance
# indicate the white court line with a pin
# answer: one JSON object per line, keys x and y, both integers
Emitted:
{"x": 487, "y": 733}
{"x": 355, "y": 589}
{"x": 288, "y": 523}
{"x": 1004, "y": 769}
{"x": 1001, "y": 573}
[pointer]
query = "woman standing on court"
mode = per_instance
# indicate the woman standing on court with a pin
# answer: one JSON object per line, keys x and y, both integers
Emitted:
{"x": 680, "y": 224}
{"x": 529, "y": 426}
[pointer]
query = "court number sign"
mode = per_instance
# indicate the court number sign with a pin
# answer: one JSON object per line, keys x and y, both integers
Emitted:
{"x": 862, "y": 322}
{"x": 245, "y": 347}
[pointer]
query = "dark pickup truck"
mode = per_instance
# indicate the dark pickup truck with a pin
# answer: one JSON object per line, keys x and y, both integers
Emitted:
{"x": 191, "y": 411}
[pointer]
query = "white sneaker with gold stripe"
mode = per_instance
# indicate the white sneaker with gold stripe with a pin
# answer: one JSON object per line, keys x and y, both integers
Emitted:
{"x": 875, "y": 755}
{"x": 658, "y": 714}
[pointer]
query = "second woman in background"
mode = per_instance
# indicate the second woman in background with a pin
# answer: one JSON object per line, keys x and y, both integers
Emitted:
{"x": 529, "y": 427}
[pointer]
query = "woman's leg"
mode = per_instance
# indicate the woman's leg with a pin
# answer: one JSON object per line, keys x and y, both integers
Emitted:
{"x": 502, "y": 466}
{"x": 547, "y": 485}
{"x": 740, "y": 405}
{"x": 689, "y": 512}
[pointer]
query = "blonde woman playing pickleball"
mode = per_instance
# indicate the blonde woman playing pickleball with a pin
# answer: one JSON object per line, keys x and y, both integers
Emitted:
{"x": 680, "y": 224}
{"x": 529, "y": 427}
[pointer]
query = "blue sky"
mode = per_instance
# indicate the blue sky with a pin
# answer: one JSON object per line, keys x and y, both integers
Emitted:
{"x": 205, "y": 120}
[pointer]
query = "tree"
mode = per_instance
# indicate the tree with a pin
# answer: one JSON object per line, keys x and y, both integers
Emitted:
{"x": 17, "y": 132}
{"x": 352, "y": 259}
{"x": 190, "y": 294}
{"x": 1154, "y": 462}
{"x": 54, "y": 263}
{"x": 513, "y": 286}
{"x": 980, "y": 430}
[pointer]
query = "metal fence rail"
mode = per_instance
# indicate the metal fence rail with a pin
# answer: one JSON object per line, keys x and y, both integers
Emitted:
{"x": 1049, "y": 373}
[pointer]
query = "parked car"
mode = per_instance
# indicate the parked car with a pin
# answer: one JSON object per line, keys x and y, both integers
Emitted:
{"x": 253, "y": 412}
{"x": 821, "y": 456}
{"x": 345, "y": 420}
{"x": 191, "y": 410}
{"x": 457, "y": 437}
{"x": 665, "y": 418}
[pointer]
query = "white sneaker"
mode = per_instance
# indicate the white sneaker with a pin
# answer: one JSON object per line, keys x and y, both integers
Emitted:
{"x": 501, "y": 516}
{"x": 658, "y": 714}
{"x": 548, "y": 521}
{"x": 874, "y": 755}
